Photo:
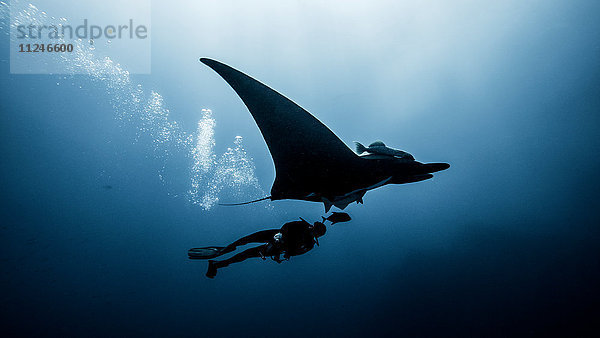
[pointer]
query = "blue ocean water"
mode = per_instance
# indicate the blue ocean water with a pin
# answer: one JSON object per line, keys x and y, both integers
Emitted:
{"x": 109, "y": 177}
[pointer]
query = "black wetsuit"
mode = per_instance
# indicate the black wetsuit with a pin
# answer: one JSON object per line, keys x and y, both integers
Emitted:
{"x": 296, "y": 238}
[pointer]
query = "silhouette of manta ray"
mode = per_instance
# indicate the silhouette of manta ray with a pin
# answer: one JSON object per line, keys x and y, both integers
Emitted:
{"x": 311, "y": 162}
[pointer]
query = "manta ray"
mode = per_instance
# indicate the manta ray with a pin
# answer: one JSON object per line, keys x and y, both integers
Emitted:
{"x": 311, "y": 162}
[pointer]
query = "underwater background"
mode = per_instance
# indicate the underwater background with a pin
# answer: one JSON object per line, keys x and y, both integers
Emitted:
{"x": 108, "y": 178}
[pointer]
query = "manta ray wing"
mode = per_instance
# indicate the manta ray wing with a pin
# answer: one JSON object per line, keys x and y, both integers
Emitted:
{"x": 310, "y": 160}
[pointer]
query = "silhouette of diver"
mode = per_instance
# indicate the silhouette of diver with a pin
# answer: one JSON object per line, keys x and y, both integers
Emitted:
{"x": 294, "y": 238}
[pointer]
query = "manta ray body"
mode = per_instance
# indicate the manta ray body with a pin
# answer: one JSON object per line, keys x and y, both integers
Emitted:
{"x": 311, "y": 162}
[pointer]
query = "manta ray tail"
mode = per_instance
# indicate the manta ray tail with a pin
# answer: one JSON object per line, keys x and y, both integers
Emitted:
{"x": 233, "y": 204}
{"x": 360, "y": 148}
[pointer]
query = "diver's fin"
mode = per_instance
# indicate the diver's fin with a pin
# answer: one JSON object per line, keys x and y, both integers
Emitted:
{"x": 324, "y": 219}
{"x": 360, "y": 148}
{"x": 212, "y": 269}
{"x": 232, "y": 204}
{"x": 205, "y": 253}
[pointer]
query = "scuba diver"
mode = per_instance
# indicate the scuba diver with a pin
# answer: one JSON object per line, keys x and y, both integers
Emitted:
{"x": 294, "y": 238}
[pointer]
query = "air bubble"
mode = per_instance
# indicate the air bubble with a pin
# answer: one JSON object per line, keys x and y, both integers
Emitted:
{"x": 230, "y": 175}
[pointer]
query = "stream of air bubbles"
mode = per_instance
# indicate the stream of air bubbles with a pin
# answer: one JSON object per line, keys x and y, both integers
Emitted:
{"x": 230, "y": 175}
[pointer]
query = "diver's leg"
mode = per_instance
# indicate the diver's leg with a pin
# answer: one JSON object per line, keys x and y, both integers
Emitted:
{"x": 242, "y": 256}
{"x": 206, "y": 252}
{"x": 216, "y": 251}
{"x": 257, "y": 237}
